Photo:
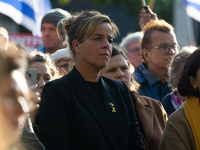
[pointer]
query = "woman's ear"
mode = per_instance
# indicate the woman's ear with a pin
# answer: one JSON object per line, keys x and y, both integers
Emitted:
{"x": 76, "y": 46}
{"x": 192, "y": 81}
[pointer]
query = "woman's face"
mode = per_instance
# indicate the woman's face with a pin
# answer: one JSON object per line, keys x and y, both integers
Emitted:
{"x": 95, "y": 51}
{"x": 13, "y": 108}
{"x": 117, "y": 69}
{"x": 43, "y": 74}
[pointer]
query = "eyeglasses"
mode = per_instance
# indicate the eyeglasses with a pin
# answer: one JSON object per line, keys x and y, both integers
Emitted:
{"x": 166, "y": 48}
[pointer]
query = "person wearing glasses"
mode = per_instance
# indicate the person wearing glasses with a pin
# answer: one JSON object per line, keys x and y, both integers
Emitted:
{"x": 159, "y": 45}
{"x": 132, "y": 43}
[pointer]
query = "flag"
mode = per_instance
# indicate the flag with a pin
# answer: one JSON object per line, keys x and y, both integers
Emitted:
{"x": 27, "y": 13}
{"x": 193, "y": 9}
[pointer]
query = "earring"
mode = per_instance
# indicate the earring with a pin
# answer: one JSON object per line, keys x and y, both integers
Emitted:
{"x": 194, "y": 87}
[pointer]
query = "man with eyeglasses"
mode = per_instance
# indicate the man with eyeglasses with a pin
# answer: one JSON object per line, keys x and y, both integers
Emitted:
{"x": 159, "y": 45}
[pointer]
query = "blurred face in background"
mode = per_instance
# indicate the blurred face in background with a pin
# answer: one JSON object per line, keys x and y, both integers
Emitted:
{"x": 135, "y": 53}
{"x": 117, "y": 69}
{"x": 14, "y": 96}
{"x": 43, "y": 74}
{"x": 50, "y": 38}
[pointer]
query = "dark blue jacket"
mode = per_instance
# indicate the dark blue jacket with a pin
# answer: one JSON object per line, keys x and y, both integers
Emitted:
{"x": 167, "y": 104}
{"x": 149, "y": 83}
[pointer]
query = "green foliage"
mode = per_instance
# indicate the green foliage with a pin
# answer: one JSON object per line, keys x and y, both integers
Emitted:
{"x": 163, "y": 8}
{"x": 64, "y": 2}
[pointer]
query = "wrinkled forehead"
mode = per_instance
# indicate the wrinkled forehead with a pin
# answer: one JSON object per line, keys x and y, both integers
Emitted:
{"x": 157, "y": 36}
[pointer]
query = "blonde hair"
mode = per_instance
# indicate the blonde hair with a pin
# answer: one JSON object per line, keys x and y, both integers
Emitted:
{"x": 81, "y": 26}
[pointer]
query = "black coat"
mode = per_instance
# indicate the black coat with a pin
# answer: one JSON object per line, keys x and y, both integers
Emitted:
{"x": 71, "y": 117}
{"x": 29, "y": 141}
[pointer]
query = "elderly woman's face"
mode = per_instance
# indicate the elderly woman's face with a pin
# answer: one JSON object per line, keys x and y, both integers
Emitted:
{"x": 95, "y": 51}
{"x": 13, "y": 107}
{"x": 117, "y": 69}
{"x": 43, "y": 74}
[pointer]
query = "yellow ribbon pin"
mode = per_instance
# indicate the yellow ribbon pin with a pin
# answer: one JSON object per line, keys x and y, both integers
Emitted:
{"x": 112, "y": 106}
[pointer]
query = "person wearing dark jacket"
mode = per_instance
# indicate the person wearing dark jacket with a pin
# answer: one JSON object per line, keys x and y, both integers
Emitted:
{"x": 83, "y": 110}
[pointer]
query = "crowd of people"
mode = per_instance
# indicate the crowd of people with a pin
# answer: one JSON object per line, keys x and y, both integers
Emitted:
{"x": 91, "y": 93}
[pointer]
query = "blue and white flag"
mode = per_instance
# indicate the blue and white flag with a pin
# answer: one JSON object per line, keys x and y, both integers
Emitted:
{"x": 193, "y": 9}
{"x": 27, "y": 13}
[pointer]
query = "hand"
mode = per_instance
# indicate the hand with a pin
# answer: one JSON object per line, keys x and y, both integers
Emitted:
{"x": 146, "y": 17}
{"x": 36, "y": 99}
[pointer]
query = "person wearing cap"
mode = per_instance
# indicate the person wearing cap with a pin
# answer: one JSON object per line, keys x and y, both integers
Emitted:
{"x": 53, "y": 35}
{"x": 63, "y": 60}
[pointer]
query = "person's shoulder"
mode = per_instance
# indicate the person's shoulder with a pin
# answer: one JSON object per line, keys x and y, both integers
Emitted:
{"x": 138, "y": 75}
{"x": 178, "y": 113}
{"x": 150, "y": 101}
{"x": 177, "y": 116}
{"x": 138, "y": 71}
{"x": 167, "y": 98}
{"x": 167, "y": 104}
{"x": 59, "y": 83}
{"x": 178, "y": 121}
{"x": 29, "y": 141}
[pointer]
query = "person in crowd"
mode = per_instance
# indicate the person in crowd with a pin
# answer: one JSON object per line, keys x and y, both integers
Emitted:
{"x": 53, "y": 35}
{"x": 46, "y": 71}
{"x": 150, "y": 113}
{"x": 63, "y": 60}
{"x": 174, "y": 100}
{"x": 159, "y": 45}
{"x": 45, "y": 67}
{"x": 182, "y": 129}
{"x": 15, "y": 102}
{"x": 132, "y": 43}
{"x": 83, "y": 110}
